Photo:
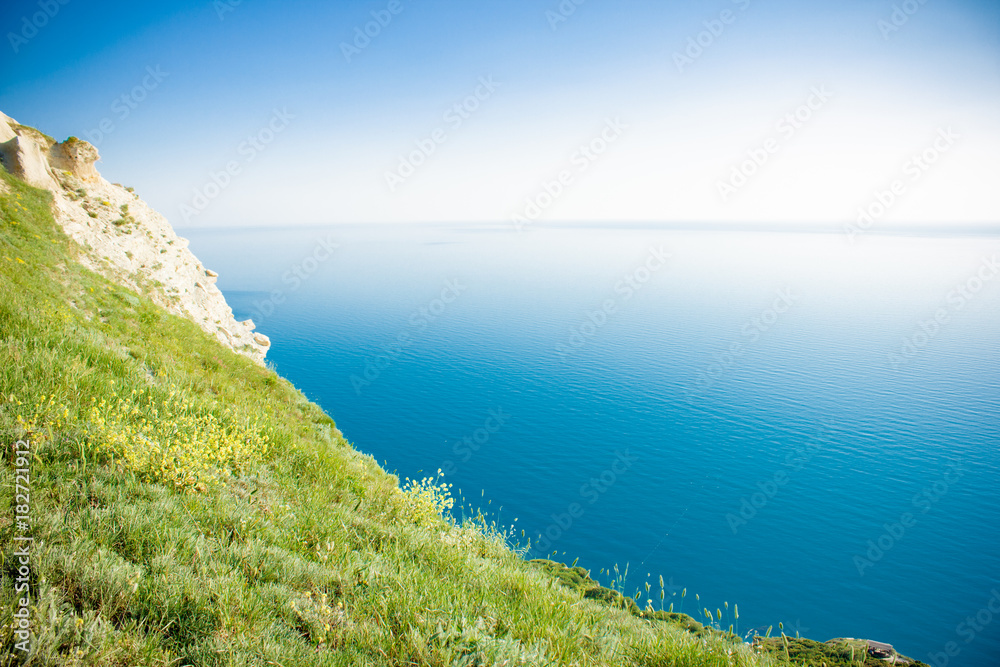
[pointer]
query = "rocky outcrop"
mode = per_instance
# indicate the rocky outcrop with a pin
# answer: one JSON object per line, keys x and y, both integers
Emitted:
{"x": 76, "y": 157}
{"x": 25, "y": 157}
{"x": 122, "y": 237}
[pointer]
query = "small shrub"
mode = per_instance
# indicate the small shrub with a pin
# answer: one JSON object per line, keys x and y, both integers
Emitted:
{"x": 427, "y": 501}
{"x": 318, "y": 620}
{"x": 612, "y": 597}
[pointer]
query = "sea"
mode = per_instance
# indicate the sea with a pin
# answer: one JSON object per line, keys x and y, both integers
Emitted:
{"x": 801, "y": 423}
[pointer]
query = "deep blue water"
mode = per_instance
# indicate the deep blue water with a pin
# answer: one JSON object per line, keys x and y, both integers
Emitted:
{"x": 731, "y": 418}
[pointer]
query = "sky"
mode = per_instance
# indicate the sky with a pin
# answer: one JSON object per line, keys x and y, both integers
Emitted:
{"x": 263, "y": 113}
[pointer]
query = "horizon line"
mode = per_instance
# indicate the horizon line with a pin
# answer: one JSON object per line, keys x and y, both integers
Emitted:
{"x": 907, "y": 229}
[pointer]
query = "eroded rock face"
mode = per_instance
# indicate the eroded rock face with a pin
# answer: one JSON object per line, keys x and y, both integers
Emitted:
{"x": 123, "y": 238}
{"x": 25, "y": 157}
{"x": 77, "y": 157}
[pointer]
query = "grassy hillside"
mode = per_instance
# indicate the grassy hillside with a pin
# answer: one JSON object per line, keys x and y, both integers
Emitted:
{"x": 190, "y": 507}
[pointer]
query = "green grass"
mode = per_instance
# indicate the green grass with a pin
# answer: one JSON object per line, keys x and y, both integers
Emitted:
{"x": 192, "y": 508}
{"x": 848, "y": 652}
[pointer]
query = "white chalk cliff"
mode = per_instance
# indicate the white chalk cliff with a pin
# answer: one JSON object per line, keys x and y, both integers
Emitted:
{"x": 122, "y": 237}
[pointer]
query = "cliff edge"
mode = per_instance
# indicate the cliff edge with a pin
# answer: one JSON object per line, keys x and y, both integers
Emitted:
{"x": 123, "y": 237}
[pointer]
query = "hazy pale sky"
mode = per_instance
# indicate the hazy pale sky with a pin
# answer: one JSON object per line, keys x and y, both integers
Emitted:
{"x": 271, "y": 113}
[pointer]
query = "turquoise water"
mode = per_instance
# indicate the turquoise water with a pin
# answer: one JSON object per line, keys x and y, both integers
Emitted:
{"x": 801, "y": 425}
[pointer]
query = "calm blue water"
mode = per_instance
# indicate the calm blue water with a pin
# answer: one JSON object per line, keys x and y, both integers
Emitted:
{"x": 730, "y": 417}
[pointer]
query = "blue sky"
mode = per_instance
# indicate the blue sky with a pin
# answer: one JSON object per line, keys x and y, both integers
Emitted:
{"x": 676, "y": 130}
